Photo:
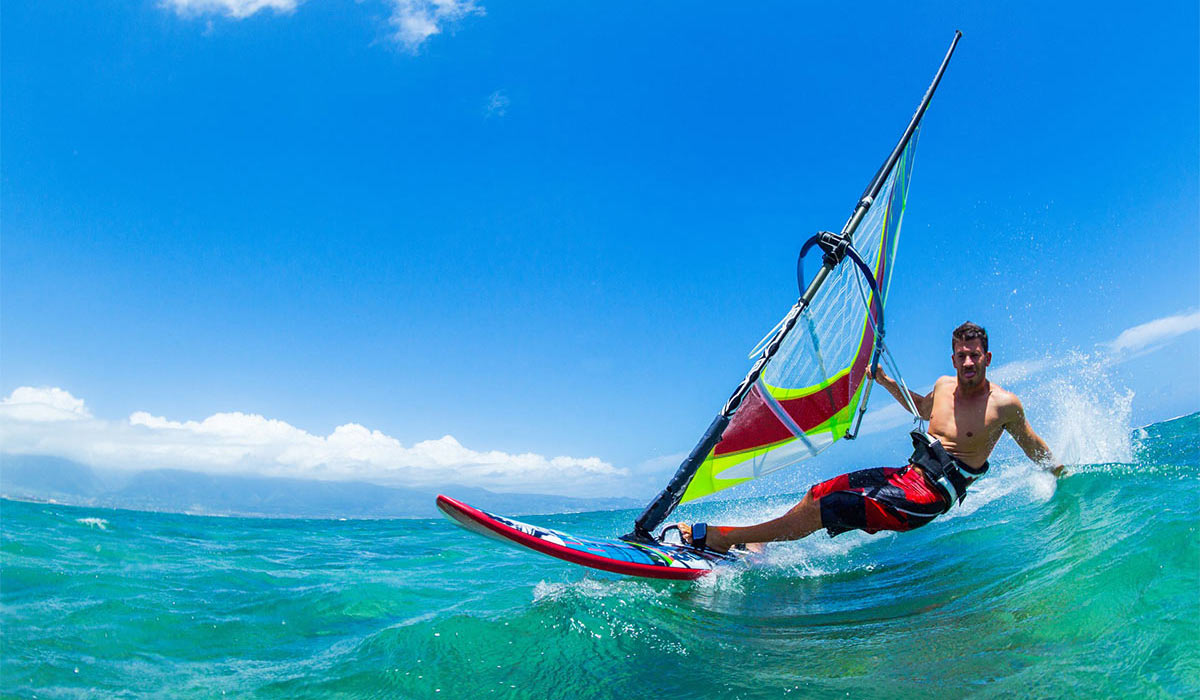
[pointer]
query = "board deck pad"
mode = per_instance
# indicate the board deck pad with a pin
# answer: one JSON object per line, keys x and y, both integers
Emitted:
{"x": 645, "y": 559}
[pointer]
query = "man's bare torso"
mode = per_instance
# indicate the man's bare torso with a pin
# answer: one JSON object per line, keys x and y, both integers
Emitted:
{"x": 969, "y": 426}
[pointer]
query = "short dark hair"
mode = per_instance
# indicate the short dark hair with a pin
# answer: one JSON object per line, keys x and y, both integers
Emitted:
{"x": 969, "y": 331}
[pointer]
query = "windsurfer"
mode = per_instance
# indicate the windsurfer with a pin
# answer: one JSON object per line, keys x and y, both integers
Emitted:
{"x": 967, "y": 415}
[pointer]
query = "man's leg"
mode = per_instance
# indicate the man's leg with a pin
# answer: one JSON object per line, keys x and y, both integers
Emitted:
{"x": 801, "y": 521}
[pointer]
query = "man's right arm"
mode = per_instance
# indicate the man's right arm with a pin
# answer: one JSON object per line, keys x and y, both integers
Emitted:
{"x": 924, "y": 403}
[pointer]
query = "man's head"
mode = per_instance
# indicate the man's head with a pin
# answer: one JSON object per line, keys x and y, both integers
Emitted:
{"x": 970, "y": 357}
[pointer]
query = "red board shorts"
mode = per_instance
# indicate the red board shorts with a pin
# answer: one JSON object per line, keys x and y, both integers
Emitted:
{"x": 884, "y": 498}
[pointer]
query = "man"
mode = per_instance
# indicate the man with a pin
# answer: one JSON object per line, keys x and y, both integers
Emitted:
{"x": 967, "y": 415}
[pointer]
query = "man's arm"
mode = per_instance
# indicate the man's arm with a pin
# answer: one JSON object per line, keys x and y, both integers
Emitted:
{"x": 924, "y": 404}
{"x": 1031, "y": 444}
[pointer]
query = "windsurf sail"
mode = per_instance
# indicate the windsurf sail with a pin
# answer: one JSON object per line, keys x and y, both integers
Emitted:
{"x": 808, "y": 387}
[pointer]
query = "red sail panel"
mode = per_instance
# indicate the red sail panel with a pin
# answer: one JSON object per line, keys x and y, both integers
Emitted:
{"x": 755, "y": 425}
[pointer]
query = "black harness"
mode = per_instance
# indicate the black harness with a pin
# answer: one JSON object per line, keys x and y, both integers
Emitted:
{"x": 950, "y": 475}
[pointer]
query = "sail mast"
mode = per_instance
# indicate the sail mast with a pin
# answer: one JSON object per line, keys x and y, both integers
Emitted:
{"x": 666, "y": 501}
{"x": 869, "y": 194}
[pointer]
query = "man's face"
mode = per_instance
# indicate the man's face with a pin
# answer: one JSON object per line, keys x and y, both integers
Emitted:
{"x": 971, "y": 363}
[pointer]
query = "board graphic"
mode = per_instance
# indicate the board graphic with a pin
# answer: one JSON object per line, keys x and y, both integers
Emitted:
{"x": 645, "y": 559}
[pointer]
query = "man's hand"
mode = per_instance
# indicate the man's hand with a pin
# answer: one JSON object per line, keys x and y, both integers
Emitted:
{"x": 879, "y": 376}
{"x": 924, "y": 404}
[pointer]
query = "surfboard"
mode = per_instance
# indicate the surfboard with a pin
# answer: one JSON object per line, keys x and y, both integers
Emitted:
{"x": 645, "y": 559}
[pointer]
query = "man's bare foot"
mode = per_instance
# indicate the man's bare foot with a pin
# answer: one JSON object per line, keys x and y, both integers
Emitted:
{"x": 711, "y": 541}
{"x": 715, "y": 540}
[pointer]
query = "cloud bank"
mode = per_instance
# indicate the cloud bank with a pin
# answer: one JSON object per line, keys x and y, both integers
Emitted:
{"x": 411, "y": 21}
{"x": 50, "y": 421}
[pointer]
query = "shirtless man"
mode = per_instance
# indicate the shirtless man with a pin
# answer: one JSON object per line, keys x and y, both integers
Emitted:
{"x": 967, "y": 415}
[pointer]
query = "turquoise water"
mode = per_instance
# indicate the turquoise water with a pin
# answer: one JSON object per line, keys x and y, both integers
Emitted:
{"x": 1087, "y": 588}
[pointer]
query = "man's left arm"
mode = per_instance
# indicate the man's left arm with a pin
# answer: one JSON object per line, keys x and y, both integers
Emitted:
{"x": 1035, "y": 447}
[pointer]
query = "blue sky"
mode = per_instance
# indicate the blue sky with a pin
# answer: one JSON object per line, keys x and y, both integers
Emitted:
{"x": 556, "y": 229}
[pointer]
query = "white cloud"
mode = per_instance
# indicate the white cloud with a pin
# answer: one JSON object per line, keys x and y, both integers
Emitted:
{"x": 414, "y": 21}
{"x": 50, "y": 421}
{"x": 42, "y": 405}
{"x": 1151, "y": 335}
{"x": 497, "y": 104}
{"x": 238, "y": 9}
{"x": 411, "y": 21}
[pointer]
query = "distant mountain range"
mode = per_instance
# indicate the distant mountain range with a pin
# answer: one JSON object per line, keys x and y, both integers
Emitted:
{"x": 31, "y": 477}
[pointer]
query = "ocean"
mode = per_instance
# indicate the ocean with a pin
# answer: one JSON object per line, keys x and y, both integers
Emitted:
{"x": 1088, "y": 587}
